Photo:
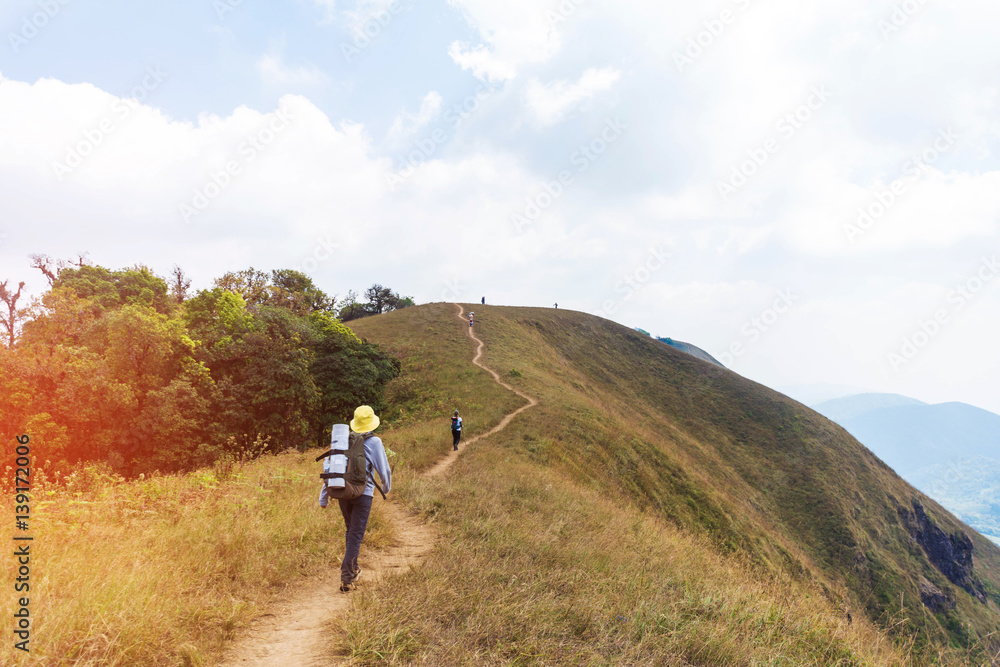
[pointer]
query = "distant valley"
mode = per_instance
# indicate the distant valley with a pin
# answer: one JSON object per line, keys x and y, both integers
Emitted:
{"x": 950, "y": 451}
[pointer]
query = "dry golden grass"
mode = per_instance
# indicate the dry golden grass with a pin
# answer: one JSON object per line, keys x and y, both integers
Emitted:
{"x": 162, "y": 571}
{"x": 534, "y": 569}
{"x": 716, "y": 453}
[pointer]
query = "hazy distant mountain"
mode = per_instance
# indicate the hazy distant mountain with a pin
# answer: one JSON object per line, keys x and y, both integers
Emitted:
{"x": 819, "y": 392}
{"x": 910, "y": 435}
{"x": 950, "y": 451}
{"x": 850, "y": 407}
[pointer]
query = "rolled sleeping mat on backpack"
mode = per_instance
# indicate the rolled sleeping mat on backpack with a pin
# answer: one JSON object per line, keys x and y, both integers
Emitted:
{"x": 340, "y": 437}
{"x": 337, "y": 461}
{"x": 335, "y": 464}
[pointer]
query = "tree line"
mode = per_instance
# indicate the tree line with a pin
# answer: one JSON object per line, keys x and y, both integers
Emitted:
{"x": 132, "y": 369}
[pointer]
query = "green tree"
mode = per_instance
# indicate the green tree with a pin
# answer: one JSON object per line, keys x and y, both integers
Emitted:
{"x": 63, "y": 318}
{"x": 95, "y": 363}
{"x": 74, "y": 387}
{"x": 378, "y": 300}
{"x": 113, "y": 289}
{"x": 144, "y": 349}
{"x": 172, "y": 431}
{"x": 348, "y": 372}
{"x": 283, "y": 288}
{"x": 296, "y": 291}
{"x": 216, "y": 315}
{"x": 351, "y": 308}
{"x": 268, "y": 390}
{"x": 96, "y": 407}
{"x": 17, "y": 392}
{"x": 260, "y": 364}
{"x": 117, "y": 366}
{"x": 251, "y": 284}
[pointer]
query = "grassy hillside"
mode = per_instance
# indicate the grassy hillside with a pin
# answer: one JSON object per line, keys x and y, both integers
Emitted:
{"x": 550, "y": 522}
{"x": 653, "y": 509}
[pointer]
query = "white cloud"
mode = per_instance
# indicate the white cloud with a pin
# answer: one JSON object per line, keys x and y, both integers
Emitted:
{"x": 549, "y": 103}
{"x": 482, "y": 61}
{"x": 311, "y": 181}
{"x": 138, "y": 176}
{"x": 831, "y": 216}
{"x": 514, "y": 33}
{"x": 687, "y": 131}
{"x": 273, "y": 70}
{"x": 408, "y": 124}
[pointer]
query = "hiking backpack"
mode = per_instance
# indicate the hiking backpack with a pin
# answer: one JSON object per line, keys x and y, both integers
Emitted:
{"x": 456, "y": 423}
{"x": 355, "y": 474}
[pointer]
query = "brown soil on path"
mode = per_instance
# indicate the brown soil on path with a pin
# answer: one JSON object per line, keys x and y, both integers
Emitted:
{"x": 295, "y": 632}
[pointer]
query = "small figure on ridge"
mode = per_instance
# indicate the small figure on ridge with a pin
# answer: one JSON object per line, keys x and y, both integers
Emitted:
{"x": 456, "y": 430}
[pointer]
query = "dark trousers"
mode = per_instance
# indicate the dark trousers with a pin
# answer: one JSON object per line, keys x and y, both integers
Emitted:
{"x": 355, "y": 513}
{"x": 456, "y": 436}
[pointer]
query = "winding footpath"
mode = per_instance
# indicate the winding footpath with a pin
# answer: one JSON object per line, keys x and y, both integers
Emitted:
{"x": 296, "y": 631}
{"x": 447, "y": 462}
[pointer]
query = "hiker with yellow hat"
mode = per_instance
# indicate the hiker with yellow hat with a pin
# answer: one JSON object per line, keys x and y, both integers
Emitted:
{"x": 356, "y": 510}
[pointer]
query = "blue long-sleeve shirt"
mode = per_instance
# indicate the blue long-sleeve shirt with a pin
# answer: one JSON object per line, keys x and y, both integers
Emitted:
{"x": 377, "y": 461}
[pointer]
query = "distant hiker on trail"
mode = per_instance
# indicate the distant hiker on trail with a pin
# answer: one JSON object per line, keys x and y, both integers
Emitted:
{"x": 557, "y": 306}
{"x": 356, "y": 509}
{"x": 471, "y": 316}
{"x": 456, "y": 430}
{"x": 484, "y": 300}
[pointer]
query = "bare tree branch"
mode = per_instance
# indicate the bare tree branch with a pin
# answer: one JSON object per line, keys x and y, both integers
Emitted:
{"x": 46, "y": 265}
{"x": 179, "y": 284}
{"x": 12, "y": 318}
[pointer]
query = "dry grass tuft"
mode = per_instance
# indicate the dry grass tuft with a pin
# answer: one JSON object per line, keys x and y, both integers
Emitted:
{"x": 164, "y": 571}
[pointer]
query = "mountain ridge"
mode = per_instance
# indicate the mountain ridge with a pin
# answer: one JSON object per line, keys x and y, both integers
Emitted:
{"x": 719, "y": 455}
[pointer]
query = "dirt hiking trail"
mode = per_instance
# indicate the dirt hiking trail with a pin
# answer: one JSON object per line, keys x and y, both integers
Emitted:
{"x": 447, "y": 462}
{"x": 293, "y": 633}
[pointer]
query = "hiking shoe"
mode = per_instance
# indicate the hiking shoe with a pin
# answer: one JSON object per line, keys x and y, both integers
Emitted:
{"x": 347, "y": 587}
{"x": 357, "y": 575}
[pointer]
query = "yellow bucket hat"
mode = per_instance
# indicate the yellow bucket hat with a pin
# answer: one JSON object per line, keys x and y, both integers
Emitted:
{"x": 365, "y": 420}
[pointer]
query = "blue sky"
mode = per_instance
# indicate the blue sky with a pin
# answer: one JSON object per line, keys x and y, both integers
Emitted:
{"x": 743, "y": 140}
{"x": 210, "y": 54}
